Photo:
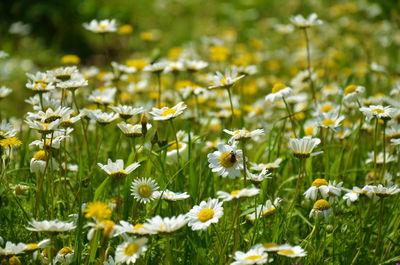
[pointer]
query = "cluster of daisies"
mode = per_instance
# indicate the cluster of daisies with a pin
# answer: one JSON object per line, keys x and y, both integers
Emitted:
{"x": 139, "y": 101}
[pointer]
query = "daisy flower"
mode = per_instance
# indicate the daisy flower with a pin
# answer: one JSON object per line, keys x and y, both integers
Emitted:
{"x": 194, "y": 66}
{"x": 7, "y": 130}
{"x": 291, "y": 252}
{"x": 379, "y": 158}
{"x": 102, "y": 118}
{"x": 278, "y": 92}
{"x": 50, "y": 226}
{"x": 269, "y": 166}
{"x": 73, "y": 84}
{"x": 137, "y": 229}
{"x": 4, "y": 91}
{"x": 377, "y": 111}
{"x": 13, "y": 249}
{"x": 116, "y": 169}
{"x": 321, "y": 208}
{"x": 40, "y": 83}
{"x": 174, "y": 67}
{"x": 105, "y": 96}
{"x": 43, "y": 127}
{"x": 39, "y": 161}
{"x": 227, "y": 80}
{"x": 144, "y": 190}
{"x": 330, "y": 120}
{"x": 353, "y": 92}
{"x": 129, "y": 251}
{"x": 243, "y": 134}
{"x": 328, "y": 107}
{"x": 303, "y": 147}
{"x": 62, "y": 74}
{"x": 156, "y": 67}
{"x": 165, "y": 225}
{"x": 65, "y": 256}
{"x": 172, "y": 153}
{"x": 326, "y": 189}
{"x": 263, "y": 210}
{"x": 227, "y": 161}
{"x": 167, "y": 113}
{"x": 269, "y": 246}
{"x": 126, "y": 112}
{"x": 302, "y": 22}
{"x": 200, "y": 217}
{"x": 382, "y": 191}
{"x": 132, "y": 130}
{"x": 237, "y": 194}
{"x": 173, "y": 196}
{"x": 102, "y": 26}
{"x": 352, "y": 195}
{"x": 107, "y": 227}
{"x": 255, "y": 255}
{"x": 54, "y": 143}
{"x": 256, "y": 179}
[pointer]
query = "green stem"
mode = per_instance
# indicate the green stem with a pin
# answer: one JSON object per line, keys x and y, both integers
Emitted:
{"x": 290, "y": 117}
{"x": 375, "y": 139}
{"x": 378, "y": 240}
{"x": 244, "y": 163}
{"x": 309, "y": 67}
{"x": 230, "y": 102}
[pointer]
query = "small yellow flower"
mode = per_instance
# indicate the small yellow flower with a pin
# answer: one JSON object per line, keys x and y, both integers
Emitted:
{"x": 10, "y": 142}
{"x": 219, "y": 53}
{"x": 125, "y": 29}
{"x": 70, "y": 59}
{"x": 98, "y": 210}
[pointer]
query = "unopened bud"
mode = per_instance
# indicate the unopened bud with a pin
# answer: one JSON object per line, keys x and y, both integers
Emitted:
{"x": 329, "y": 229}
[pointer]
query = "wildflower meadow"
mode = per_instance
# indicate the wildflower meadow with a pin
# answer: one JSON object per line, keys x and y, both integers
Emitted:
{"x": 200, "y": 132}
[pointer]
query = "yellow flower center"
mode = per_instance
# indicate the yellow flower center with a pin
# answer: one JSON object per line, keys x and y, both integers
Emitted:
{"x": 145, "y": 191}
{"x": 46, "y": 125}
{"x": 223, "y": 81}
{"x": 40, "y": 155}
{"x": 309, "y": 130}
{"x": 328, "y": 122}
{"x": 350, "y": 89}
{"x": 253, "y": 257}
{"x": 32, "y": 246}
{"x": 227, "y": 160}
{"x": 330, "y": 88}
{"x": 65, "y": 250}
{"x": 319, "y": 182}
{"x": 101, "y": 27}
{"x": 131, "y": 249}
{"x": 270, "y": 245}
{"x": 278, "y": 87}
{"x": 286, "y": 252}
{"x": 235, "y": 192}
{"x": 40, "y": 83}
{"x": 118, "y": 175}
{"x": 205, "y": 215}
{"x": 14, "y": 261}
{"x": 326, "y": 108}
{"x": 108, "y": 227}
{"x": 167, "y": 112}
{"x": 238, "y": 131}
{"x": 138, "y": 226}
{"x": 321, "y": 205}
{"x": 269, "y": 212}
{"x": 172, "y": 146}
{"x": 378, "y": 111}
